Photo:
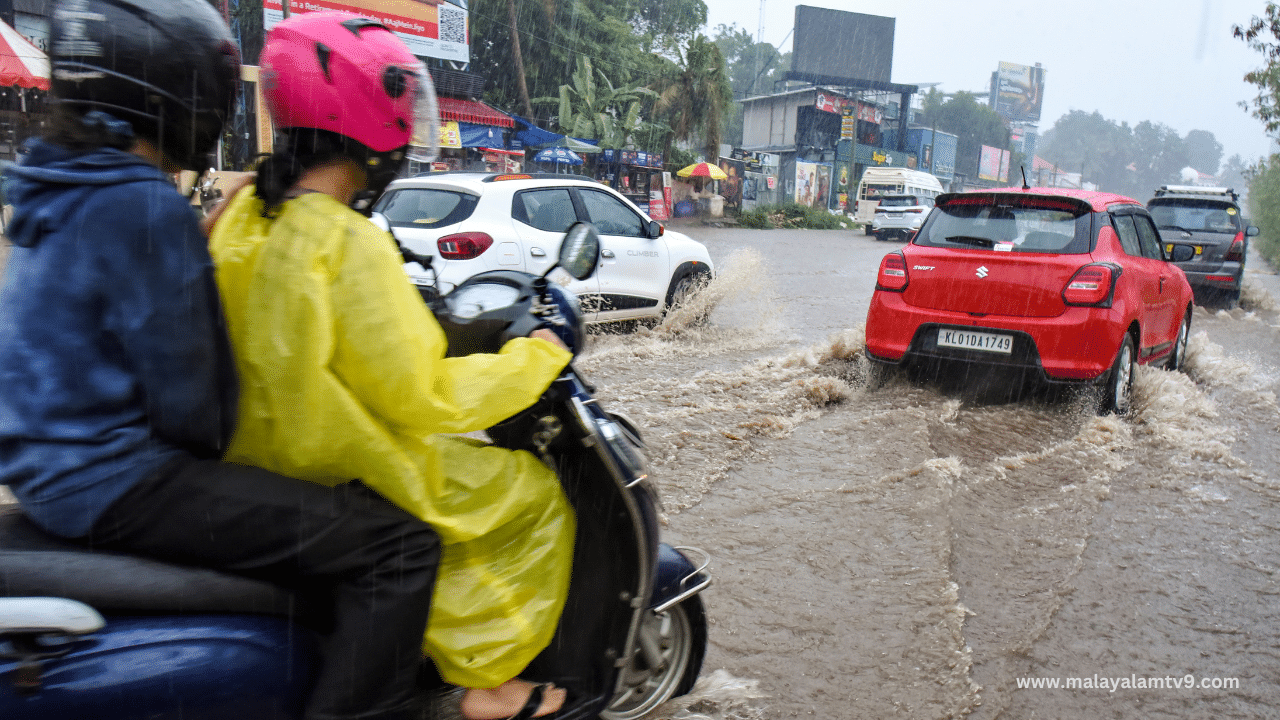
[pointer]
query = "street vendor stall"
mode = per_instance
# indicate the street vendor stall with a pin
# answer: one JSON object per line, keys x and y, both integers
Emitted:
{"x": 24, "y": 77}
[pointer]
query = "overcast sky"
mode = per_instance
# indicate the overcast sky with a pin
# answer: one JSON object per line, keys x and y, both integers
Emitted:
{"x": 1170, "y": 61}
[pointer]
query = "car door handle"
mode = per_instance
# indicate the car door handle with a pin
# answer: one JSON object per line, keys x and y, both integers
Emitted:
{"x": 537, "y": 252}
{"x": 606, "y": 253}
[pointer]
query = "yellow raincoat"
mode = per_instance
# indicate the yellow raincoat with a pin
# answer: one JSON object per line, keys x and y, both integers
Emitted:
{"x": 343, "y": 376}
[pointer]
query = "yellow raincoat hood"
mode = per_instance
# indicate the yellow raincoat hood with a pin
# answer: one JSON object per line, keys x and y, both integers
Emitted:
{"x": 343, "y": 377}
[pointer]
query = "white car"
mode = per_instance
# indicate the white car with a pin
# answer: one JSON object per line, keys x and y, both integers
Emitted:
{"x": 471, "y": 223}
{"x": 899, "y": 215}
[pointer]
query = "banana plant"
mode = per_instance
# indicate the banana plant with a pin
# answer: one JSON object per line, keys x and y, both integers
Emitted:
{"x": 592, "y": 108}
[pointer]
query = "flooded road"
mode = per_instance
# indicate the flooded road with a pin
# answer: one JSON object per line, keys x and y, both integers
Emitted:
{"x": 906, "y": 552}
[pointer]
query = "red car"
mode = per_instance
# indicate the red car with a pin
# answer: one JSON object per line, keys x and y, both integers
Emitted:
{"x": 1071, "y": 286}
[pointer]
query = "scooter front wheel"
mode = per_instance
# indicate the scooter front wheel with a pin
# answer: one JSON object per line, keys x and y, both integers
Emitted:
{"x": 666, "y": 662}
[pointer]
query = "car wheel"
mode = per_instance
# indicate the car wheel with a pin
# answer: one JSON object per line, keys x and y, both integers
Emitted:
{"x": 1231, "y": 299}
{"x": 1178, "y": 355}
{"x": 683, "y": 289}
{"x": 679, "y": 637}
{"x": 1119, "y": 388}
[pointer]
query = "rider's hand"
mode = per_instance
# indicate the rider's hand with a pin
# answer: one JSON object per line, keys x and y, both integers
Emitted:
{"x": 549, "y": 336}
{"x": 229, "y": 192}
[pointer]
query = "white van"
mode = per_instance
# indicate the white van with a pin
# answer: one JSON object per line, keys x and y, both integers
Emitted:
{"x": 878, "y": 181}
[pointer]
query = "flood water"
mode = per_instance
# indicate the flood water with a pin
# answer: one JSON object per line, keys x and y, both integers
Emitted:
{"x": 909, "y": 551}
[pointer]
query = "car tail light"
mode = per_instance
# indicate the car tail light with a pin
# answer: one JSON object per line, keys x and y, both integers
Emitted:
{"x": 913, "y": 210}
{"x": 463, "y": 246}
{"x": 1236, "y": 251}
{"x": 1091, "y": 285}
{"x": 893, "y": 273}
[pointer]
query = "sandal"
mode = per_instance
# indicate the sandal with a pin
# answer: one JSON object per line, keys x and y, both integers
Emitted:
{"x": 447, "y": 704}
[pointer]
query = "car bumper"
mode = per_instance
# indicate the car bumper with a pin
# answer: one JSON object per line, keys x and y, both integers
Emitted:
{"x": 1229, "y": 277}
{"x": 893, "y": 225}
{"x": 1079, "y": 345}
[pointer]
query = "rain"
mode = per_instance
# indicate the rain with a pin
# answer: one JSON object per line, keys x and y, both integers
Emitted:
{"x": 891, "y": 544}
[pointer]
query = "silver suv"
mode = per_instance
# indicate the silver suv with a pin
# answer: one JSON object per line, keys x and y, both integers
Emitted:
{"x": 1209, "y": 220}
{"x": 470, "y": 223}
{"x": 899, "y": 215}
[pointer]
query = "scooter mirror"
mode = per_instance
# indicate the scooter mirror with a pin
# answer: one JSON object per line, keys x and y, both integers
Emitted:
{"x": 580, "y": 250}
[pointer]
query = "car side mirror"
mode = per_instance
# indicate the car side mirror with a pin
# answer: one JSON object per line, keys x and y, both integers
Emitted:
{"x": 1182, "y": 253}
{"x": 656, "y": 229}
{"x": 1251, "y": 231}
{"x": 380, "y": 220}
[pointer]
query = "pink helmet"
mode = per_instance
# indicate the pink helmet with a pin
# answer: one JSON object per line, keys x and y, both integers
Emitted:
{"x": 350, "y": 75}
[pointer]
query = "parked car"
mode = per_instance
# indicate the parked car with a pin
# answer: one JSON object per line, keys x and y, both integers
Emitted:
{"x": 1063, "y": 285}
{"x": 474, "y": 222}
{"x": 899, "y": 216}
{"x": 1209, "y": 220}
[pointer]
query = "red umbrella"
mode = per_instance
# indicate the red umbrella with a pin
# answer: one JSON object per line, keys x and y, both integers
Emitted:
{"x": 21, "y": 63}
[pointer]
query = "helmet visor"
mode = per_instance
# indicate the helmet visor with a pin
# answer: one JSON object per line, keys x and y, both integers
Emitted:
{"x": 425, "y": 146}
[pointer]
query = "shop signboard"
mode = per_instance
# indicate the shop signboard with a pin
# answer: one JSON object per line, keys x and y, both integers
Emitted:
{"x": 607, "y": 155}
{"x": 450, "y": 135}
{"x": 429, "y": 29}
{"x": 628, "y": 157}
{"x": 642, "y": 159}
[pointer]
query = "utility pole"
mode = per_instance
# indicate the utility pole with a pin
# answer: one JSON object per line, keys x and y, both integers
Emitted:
{"x": 285, "y": 6}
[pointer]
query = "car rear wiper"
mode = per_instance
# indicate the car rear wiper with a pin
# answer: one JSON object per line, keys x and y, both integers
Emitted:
{"x": 1175, "y": 227}
{"x": 972, "y": 240}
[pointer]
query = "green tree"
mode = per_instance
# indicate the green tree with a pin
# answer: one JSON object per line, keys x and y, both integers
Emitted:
{"x": 1233, "y": 173}
{"x": 1160, "y": 154}
{"x": 1101, "y": 148}
{"x": 973, "y": 123}
{"x": 1264, "y": 206}
{"x": 1263, "y": 35}
{"x": 1204, "y": 152}
{"x": 694, "y": 96}
{"x": 592, "y": 108}
{"x": 628, "y": 43}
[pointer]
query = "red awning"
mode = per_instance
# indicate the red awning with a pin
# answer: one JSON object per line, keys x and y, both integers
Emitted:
{"x": 470, "y": 111}
{"x": 21, "y": 63}
{"x": 504, "y": 152}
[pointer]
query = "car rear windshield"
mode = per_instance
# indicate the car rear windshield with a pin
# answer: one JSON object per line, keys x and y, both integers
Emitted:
{"x": 899, "y": 201}
{"x": 425, "y": 207}
{"x": 1195, "y": 215}
{"x": 1023, "y": 225}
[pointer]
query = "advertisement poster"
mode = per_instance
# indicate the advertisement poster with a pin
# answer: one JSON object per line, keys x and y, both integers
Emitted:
{"x": 1020, "y": 93}
{"x": 731, "y": 187}
{"x": 993, "y": 164}
{"x": 429, "y": 27}
{"x": 813, "y": 184}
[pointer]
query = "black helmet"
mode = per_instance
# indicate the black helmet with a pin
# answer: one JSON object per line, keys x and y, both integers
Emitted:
{"x": 168, "y": 67}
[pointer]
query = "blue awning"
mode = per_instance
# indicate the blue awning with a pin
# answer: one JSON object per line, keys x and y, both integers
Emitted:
{"x": 530, "y": 135}
{"x": 473, "y": 135}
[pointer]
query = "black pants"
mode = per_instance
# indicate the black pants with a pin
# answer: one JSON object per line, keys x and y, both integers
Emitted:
{"x": 373, "y": 561}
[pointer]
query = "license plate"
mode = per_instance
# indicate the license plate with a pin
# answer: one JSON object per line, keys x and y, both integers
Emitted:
{"x": 970, "y": 340}
{"x": 1199, "y": 248}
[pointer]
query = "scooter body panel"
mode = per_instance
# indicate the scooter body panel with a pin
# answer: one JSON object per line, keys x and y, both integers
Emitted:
{"x": 203, "y": 667}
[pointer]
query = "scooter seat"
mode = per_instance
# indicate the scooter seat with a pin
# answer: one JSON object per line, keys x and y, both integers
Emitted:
{"x": 36, "y": 564}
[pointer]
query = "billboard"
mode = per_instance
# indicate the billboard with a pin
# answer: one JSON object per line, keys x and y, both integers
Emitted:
{"x": 1019, "y": 92}
{"x": 993, "y": 164}
{"x": 842, "y": 44}
{"x": 430, "y": 28}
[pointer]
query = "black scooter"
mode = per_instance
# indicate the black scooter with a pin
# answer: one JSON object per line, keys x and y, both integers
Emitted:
{"x": 105, "y": 635}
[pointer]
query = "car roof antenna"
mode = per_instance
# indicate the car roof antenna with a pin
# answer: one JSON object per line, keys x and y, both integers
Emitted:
{"x": 1025, "y": 186}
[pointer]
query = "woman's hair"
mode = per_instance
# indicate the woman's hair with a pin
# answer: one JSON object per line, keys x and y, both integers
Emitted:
{"x": 300, "y": 149}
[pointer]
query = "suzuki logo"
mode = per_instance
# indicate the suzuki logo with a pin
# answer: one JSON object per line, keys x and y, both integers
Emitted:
{"x": 982, "y": 271}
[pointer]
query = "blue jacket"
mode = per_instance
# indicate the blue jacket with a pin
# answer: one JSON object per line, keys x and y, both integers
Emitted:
{"x": 113, "y": 357}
